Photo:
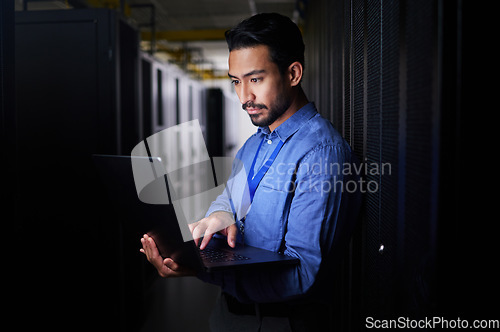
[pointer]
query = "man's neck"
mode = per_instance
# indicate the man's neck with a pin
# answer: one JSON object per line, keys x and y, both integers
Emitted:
{"x": 298, "y": 102}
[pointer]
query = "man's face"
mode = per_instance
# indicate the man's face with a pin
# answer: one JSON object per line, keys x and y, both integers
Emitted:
{"x": 261, "y": 88}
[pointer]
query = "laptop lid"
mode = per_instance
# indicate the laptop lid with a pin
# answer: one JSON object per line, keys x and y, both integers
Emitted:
{"x": 160, "y": 221}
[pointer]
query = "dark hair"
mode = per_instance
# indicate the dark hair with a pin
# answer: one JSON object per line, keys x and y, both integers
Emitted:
{"x": 278, "y": 32}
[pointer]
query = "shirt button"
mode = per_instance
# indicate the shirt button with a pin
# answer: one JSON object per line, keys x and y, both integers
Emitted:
{"x": 269, "y": 142}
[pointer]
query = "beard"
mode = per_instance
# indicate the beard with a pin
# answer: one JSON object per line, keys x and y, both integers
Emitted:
{"x": 271, "y": 113}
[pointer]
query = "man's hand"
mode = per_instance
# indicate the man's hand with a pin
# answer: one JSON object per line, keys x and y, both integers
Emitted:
{"x": 219, "y": 221}
{"x": 166, "y": 268}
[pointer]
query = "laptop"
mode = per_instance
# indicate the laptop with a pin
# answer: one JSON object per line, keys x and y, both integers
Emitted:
{"x": 160, "y": 222}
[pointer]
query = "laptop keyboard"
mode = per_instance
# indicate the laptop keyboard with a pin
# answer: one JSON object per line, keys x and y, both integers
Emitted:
{"x": 216, "y": 256}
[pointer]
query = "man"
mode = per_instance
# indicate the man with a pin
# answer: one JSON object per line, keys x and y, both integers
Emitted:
{"x": 300, "y": 203}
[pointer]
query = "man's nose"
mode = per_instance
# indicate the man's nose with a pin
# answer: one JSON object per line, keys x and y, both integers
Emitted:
{"x": 246, "y": 94}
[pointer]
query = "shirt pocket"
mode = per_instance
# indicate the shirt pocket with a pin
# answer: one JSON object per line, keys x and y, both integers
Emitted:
{"x": 264, "y": 225}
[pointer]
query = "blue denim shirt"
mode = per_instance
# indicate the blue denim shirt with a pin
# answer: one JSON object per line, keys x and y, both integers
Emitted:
{"x": 305, "y": 206}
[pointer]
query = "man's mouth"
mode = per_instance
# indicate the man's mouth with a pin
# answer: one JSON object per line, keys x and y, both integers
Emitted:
{"x": 253, "y": 109}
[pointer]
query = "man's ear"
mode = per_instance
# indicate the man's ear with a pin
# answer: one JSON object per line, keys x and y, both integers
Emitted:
{"x": 295, "y": 71}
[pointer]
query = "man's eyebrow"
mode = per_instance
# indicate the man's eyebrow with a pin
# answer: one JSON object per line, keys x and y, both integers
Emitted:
{"x": 253, "y": 72}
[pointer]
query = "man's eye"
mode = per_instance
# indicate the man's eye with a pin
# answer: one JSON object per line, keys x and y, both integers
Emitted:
{"x": 235, "y": 82}
{"x": 255, "y": 79}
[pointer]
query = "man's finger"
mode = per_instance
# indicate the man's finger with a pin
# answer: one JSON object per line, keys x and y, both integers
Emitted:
{"x": 232, "y": 231}
{"x": 206, "y": 240}
{"x": 145, "y": 244}
{"x": 169, "y": 262}
{"x": 152, "y": 248}
{"x": 145, "y": 247}
{"x": 193, "y": 225}
{"x": 199, "y": 231}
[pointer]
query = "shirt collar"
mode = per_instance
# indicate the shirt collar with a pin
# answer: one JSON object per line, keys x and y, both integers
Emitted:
{"x": 292, "y": 124}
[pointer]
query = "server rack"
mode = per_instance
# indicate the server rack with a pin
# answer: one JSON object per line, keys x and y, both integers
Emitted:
{"x": 76, "y": 76}
{"x": 382, "y": 76}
